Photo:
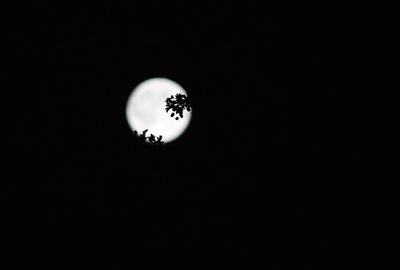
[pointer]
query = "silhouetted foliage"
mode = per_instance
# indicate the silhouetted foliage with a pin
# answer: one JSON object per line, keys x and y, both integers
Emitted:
{"x": 177, "y": 104}
{"x": 149, "y": 139}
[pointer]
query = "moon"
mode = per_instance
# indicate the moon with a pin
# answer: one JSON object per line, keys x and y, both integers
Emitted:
{"x": 145, "y": 109}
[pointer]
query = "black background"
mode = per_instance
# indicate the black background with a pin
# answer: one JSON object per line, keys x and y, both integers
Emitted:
{"x": 263, "y": 173}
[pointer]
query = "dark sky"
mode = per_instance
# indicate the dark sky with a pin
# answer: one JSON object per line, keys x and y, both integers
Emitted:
{"x": 262, "y": 172}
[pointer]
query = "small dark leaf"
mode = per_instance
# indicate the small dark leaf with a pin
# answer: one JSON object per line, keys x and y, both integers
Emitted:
{"x": 151, "y": 138}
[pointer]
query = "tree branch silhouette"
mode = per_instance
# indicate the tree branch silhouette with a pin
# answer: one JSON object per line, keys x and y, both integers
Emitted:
{"x": 178, "y": 104}
{"x": 149, "y": 139}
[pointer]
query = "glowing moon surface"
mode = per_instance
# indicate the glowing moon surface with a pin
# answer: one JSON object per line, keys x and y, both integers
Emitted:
{"x": 145, "y": 109}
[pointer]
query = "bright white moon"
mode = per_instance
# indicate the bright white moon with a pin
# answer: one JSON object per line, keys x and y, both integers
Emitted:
{"x": 145, "y": 109}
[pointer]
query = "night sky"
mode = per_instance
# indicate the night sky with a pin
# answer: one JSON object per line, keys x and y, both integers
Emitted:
{"x": 261, "y": 174}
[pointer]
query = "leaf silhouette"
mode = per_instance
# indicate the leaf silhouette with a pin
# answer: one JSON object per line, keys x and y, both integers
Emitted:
{"x": 148, "y": 139}
{"x": 178, "y": 104}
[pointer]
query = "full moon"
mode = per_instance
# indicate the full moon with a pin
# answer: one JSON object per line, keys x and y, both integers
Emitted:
{"x": 145, "y": 109}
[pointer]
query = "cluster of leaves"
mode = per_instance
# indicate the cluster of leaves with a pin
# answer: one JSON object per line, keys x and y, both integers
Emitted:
{"x": 177, "y": 104}
{"x": 149, "y": 139}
